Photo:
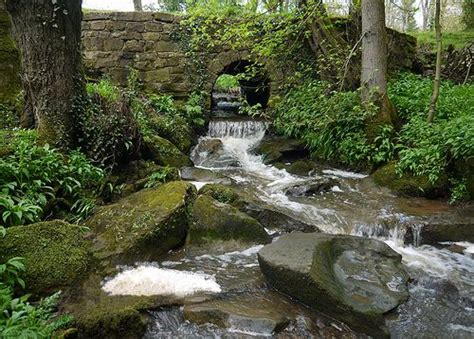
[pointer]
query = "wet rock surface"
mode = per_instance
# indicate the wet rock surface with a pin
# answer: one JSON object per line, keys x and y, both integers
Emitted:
{"x": 210, "y": 153}
{"x": 314, "y": 186}
{"x": 215, "y": 220}
{"x": 277, "y": 149}
{"x": 204, "y": 175}
{"x": 356, "y": 280}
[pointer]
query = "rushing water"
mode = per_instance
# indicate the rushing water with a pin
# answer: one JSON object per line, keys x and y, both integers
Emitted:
{"x": 441, "y": 300}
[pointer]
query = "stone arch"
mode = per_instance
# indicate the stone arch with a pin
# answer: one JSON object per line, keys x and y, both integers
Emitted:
{"x": 256, "y": 90}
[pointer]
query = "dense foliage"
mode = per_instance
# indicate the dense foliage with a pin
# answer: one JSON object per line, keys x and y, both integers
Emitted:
{"x": 19, "y": 318}
{"x": 333, "y": 126}
{"x": 38, "y": 182}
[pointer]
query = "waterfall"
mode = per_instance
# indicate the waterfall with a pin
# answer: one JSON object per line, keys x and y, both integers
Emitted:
{"x": 237, "y": 129}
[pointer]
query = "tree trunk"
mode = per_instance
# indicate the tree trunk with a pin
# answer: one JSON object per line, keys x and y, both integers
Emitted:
{"x": 138, "y": 5}
{"x": 374, "y": 63}
{"x": 439, "y": 50}
{"x": 425, "y": 11}
{"x": 48, "y": 35}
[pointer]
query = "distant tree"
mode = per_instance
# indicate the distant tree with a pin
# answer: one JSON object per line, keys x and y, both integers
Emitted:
{"x": 138, "y": 5}
{"x": 374, "y": 62}
{"x": 48, "y": 35}
{"x": 439, "y": 50}
{"x": 425, "y": 13}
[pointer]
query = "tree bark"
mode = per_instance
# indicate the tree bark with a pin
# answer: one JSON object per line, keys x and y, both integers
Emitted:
{"x": 138, "y": 5}
{"x": 374, "y": 62}
{"x": 48, "y": 35}
{"x": 439, "y": 50}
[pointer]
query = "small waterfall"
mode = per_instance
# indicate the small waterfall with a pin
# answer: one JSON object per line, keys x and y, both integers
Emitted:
{"x": 416, "y": 231}
{"x": 237, "y": 129}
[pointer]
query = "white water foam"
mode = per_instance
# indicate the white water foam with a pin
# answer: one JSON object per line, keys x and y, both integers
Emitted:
{"x": 345, "y": 174}
{"x": 149, "y": 280}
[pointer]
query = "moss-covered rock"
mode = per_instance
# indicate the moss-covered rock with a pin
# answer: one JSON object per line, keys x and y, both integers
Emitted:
{"x": 164, "y": 153}
{"x": 56, "y": 254}
{"x": 221, "y": 193}
{"x": 281, "y": 150}
{"x": 300, "y": 167}
{"x": 204, "y": 175}
{"x": 143, "y": 225}
{"x": 353, "y": 279}
{"x": 9, "y": 62}
{"x": 215, "y": 220}
{"x": 409, "y": 184}
{"x": 175, "y": 130}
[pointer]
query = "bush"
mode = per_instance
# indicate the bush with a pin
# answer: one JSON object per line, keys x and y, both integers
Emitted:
{"x": 19, "y": 318}
{"x": 226, "y": 82}
{"x": 36, "y": 181}
{"x": 109, "y": 131}
{"x": 333, "y": 126}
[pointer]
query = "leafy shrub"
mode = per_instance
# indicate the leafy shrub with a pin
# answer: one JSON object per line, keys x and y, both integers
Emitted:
{"x": 193, "y": 110}
{"x": 109, "y": 130}
{"x": 226, "y": 82}
{"x": 36, "y": 181}
{"x": 159, "y": 177}
{"x": 163, "y": 104}
{"x": 19, "y": 318}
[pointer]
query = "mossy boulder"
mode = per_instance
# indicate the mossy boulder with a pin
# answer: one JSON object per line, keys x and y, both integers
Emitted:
{"x": 215, "y": 220}
{"x": 56, "y": 254}
{"x": 165, "y": 153}
{"x": 143, "y": 225}
{"x": 175, "y": 130}
{"x": 281, "y": 150}
{"x": 10, "y": 84}
{"x": 221, "y": 193}
{"x": 409, "y": 184}
{"x": 302, "y": 167}
{"x": 353, "y": 279}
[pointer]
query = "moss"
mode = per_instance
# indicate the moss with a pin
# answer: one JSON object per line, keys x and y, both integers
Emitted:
{"x": 55, "y": 254}
{"x": 220, "y": 193}
{"x": 9, "y": 62}
{"x": 163, "y": 152}
{"x": 214, "y": 220}
{"x": 409, "y": 184}
{"x": 175, "y": 130}
{"x": 144, "y": 225}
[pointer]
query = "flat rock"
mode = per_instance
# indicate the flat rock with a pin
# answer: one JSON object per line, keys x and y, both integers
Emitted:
{"x": 313, "y": 186}
{"x": 355, "y": 280}
{"x": 278, "y": 149}
{"x": 204, "y": 175}
{"x": 143, "y": 225}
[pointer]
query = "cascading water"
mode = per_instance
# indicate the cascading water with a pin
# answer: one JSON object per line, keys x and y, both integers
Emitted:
{"x": 440, "y": 303}
{"x": 355, "y": 207}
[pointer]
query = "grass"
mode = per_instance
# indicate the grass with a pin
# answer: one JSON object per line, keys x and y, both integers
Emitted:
{"x": 457, "y": 39}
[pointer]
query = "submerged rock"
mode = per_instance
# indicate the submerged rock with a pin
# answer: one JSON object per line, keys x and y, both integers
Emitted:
{"x": 314, "y": 186}
{"x": 231, "y": 314}
{"x": 163, "y": 152}
{"x": 55, "y": 254}
{"x": 144, "y": 225}
{"x": 281, "y": 150}
{"x": 409, "y": 184}
{"x": 204, "y": 175}
{"x": 356, "y": 280}
{"x": 215, "y": 220}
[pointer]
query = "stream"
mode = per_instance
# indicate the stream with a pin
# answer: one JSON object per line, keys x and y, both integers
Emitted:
{"x": 441, "y": 302}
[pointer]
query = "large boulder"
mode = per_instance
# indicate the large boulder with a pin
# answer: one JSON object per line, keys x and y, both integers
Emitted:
{"x": 143, "y": 225}
{"x": 165, "y": 153}
{"x": 303, "y": 167}
{"x": 174, "y": 129}
{"x": 55, "y": 254}
{"x": 281, "y": 150}
{"x": 355, "y": 280}
{"x": 410, "y": 184}
{"x": 215, "y": 220}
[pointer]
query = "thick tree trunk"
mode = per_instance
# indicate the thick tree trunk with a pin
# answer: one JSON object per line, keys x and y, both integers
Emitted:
{"x": 138, "y": 5}
{"x": 48, "y": 35}
{"x": 374, "y": 60}
{"x": 439, "y": 50}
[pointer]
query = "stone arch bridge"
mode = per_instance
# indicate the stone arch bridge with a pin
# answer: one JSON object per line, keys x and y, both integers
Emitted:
{"x": 115, "y": 41}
